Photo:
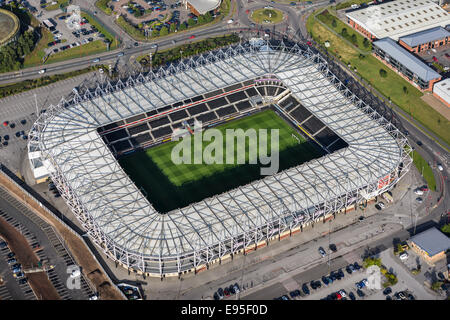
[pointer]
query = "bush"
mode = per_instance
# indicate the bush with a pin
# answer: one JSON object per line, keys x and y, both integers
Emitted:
{"x": 446, "y": 228}
{"x": 372, "y": 262}
{"x": 436, "y": 285}
{"x": 383, "y": 73}
{"x": 334, "y": 23}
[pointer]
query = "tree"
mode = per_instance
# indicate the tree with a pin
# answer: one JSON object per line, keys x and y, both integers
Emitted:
{"x": 164, "y": 31}
{"x": 201, "y": 19}
{"x": 354, "y": 40}
{"x": 383, "y": 73}
{"x": 344, "y": 32}
{"x": 191, "y": 22}
{"x": 208, "y": 17}
{"x": 182, "y": 26}
{"x": 405, "y": 90}
{"x": 446, "y": 228}
{"x": 366, "y": 43}
{"x": 173, "y": 27}
{"x": 334, "y": 23}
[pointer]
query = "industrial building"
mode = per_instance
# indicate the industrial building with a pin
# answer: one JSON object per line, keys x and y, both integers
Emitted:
{"x": 441, "y": 90}
{"x": 405, "y": 63}
{"x": 199, "y": 7}
{"x": 425, "y": 40}
{"x": 398, "y": 18}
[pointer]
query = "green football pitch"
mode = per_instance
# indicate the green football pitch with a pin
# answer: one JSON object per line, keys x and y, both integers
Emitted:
{"x": 169, "y": 186}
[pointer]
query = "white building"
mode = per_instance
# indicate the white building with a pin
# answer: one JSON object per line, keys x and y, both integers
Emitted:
{"x": 398, "y": 18}
{"x": 441, "y": 90}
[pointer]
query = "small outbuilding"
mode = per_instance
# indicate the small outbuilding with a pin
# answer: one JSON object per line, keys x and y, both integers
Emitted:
{"x": 431, "y": 245}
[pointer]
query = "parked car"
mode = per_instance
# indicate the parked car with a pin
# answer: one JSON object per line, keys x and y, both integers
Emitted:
{"x": 294, "y": 293}
{"x": 12, "y": 260}
{"x": 350, "y": 268}
{"x": 333, "y": 247}
{"x": 23, "y": 281}
{"x": 226, "y": 292}
{"x": 351, "y": 295}
{"x": 360, "y": 293}
{"x": 284, "y": 297}
{"x": 305, "y": 289}
{"x": 343, "y": 293}
{"x": 404, "y": 256}
{"x": 381, "y": 205}
{"x": 387, "y": 291}
{"x": 439, "y": 166}
{"x": 231, "y": 289}
{"x": 356, "y": 266}
{"x": 236, "y": 288}
{"x": 325, "y": 280}
{"x": 322, "y": 252}
{"x": 419, "y": 200}
{"x": 19, "y": 275}
{"x": 3, "y": 244}
{"x": 11, "y": 254}
{"x": 220, "y": 293}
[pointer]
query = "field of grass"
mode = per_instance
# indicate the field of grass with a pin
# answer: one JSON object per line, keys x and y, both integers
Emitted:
{"x": 169, "y": 186}
{"x": 347, "y": 4}
{"x": 56, "y": 6}
{"x": 18, "y": 87}
{"x": 262, "y": 15}
{"x": 93, "y": 47}
{"x": 392, "y": 86}
{"x": 94, "y": 22}
{"x": 424, "y": 169}
{"x": 35, "y": 57}
{"x": 350, "y": 34}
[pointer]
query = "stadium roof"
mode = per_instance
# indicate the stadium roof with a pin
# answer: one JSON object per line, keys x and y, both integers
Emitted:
{"x": 400, "y": 18}
{"x": 432, "y": 241}
{"x": 418, "y": 38}
{"x": 119, "y": 213}
{"x": 203, "y": 6}
{"x": 407, "y": 59}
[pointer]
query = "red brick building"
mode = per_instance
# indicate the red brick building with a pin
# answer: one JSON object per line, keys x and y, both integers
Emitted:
{"x": 425, "y": 40}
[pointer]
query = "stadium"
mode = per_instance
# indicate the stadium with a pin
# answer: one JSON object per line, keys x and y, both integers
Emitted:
{"x": 353, "y": 154}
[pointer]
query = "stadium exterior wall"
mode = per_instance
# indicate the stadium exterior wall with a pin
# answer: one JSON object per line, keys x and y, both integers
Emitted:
{"x": 284, "y": 226}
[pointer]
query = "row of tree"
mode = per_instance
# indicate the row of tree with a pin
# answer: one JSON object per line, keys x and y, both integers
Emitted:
{"x": 12, "y": 54}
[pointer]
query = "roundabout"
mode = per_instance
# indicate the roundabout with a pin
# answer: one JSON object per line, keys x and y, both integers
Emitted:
{"x": 267, "y": 16}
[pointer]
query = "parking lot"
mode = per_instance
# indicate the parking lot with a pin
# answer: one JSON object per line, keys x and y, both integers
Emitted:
{"x": 65, "y": 38}
{"x": 15, "y": 284}
{"x": 65, "y": 33}
{"x": 150, "y": 11}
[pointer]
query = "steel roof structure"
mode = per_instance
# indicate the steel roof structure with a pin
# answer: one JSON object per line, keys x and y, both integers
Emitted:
{"x": 119, "y": 218}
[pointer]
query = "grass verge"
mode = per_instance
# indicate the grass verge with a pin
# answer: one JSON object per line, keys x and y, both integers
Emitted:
{"x": 424, "y": 169}
{"x": 190, "y": 49}
{"x": 18, "y": 87}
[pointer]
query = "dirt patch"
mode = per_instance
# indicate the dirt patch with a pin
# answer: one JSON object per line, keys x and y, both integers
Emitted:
{"x": 39, "y": 282}
{"x": 77, "y": 247}
{"x": 437, "y": 105}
